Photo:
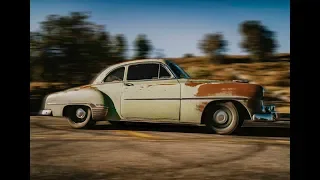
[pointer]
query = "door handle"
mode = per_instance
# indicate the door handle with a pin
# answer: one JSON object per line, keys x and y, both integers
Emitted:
{"x": 128, "y": 84}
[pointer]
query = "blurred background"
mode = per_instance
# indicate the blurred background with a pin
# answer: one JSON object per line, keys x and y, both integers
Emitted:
{"x": 71, "y": 41}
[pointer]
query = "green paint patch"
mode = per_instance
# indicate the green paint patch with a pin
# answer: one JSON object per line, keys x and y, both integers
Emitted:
{"x": 107, "y": 101}
{"x": 112, "y": 112}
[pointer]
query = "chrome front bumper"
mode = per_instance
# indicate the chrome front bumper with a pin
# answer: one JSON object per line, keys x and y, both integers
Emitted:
{"x": 45, "y": 112}
{"x": 268, "y": 114}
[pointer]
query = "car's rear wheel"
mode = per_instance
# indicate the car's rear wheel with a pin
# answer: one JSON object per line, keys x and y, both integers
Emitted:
{"x": 222, "y": 118}
{"x": 80, "y": 117}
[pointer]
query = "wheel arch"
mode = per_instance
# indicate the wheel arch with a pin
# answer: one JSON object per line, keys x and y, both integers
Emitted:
{"x": 243, "y": 111}
{"x": 65, "y": 108}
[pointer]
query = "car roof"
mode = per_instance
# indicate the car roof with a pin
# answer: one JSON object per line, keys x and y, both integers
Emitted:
{"x": 138, "y": 61}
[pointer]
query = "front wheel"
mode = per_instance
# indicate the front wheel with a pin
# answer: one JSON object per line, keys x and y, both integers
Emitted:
{"x": 80, "y": 117}
{"x": 222, "y": 118}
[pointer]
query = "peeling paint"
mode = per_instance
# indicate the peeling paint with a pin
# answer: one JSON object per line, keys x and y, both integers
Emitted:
{"x": 200, "y": 107}
{"x": 78, "y": 88}
{"x": 224, "y": 93}
{"x": 85, "y": 86}
{"x": 192, "y": 84}
{"x": 195, "y": 82}
{"x": 229, "y": 89}
{"x": 163, "y": 84}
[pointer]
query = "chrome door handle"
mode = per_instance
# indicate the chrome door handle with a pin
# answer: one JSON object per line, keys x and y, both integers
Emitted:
{"x": 128, "y": 84}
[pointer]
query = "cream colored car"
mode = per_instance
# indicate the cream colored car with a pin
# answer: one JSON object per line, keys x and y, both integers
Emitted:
{"x": 158, "y": 90}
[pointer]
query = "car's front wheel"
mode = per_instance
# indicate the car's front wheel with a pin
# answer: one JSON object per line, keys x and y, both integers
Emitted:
{"x": 79, "y": 117}
{"x": 222, "y": 118}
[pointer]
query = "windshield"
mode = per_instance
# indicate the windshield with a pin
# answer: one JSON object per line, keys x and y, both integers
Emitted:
{"x": 178, "y": 71}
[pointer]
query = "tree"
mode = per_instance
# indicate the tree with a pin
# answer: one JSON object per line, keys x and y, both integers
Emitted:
{"x": 70, "y": 47}
{"x": 258, "y": 40}
{"x": 35, "y": 56}
{"x": 119, "y": 47}
{"x": 142, "y": 47}
{"x": 213, "y": 45}
{"x": 188, "y": 55}
{"x": 105, "y": 44}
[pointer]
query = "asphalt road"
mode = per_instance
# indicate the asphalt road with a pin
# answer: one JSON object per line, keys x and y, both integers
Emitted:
{"x": 153, "y": 151}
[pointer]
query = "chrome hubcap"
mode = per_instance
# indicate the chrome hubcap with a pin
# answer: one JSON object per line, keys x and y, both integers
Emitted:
{"x": 80, "y": 113}
{"x": 220, "y": 117}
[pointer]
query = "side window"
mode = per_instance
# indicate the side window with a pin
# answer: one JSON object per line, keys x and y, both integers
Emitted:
{"x": 163, "y": 73}
{"x": 115, "y": 75}
{"x": 143, "y": 71}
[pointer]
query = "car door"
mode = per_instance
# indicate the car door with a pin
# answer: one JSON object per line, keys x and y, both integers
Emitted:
{"x": 150, "y": 92}
{"x": 111, "y": 88}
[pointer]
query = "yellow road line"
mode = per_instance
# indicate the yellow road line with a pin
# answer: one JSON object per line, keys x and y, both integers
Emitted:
{"x": 153, "y": 138}
{"x": 137, "y": 134}
{"x": 223, "y": 141}
{"x": 35, "y": 137}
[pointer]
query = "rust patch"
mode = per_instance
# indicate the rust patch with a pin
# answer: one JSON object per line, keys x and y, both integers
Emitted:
{"x": 192, "y": 84}
{"x": 230, "y": 89}
{"x": 85, "y": 86}
{"x": 200, "y": 107}
{"x": 94, "y": 87}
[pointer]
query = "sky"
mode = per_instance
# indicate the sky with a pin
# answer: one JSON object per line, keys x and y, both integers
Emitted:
{"x": 175, "y": 26}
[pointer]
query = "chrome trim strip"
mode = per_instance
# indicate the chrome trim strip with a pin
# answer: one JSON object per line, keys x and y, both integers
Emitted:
{"x": 155, "y": 99}
{"x": 99, "y": 113}
{"x": 205, "y": 98}
{"x": 56, "y": 104}
{"x": 218, "y": 97}
{"x": 66, "y": 104}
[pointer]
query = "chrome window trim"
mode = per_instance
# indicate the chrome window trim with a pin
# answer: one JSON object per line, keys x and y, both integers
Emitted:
{"x": 172, "y": 76}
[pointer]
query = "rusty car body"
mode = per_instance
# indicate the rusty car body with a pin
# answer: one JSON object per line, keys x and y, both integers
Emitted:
{"x": 158, "y": 90}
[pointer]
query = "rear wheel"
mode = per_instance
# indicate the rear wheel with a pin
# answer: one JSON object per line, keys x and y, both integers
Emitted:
{"x": 222, "y": 118}
{"x": 80, "y": 117}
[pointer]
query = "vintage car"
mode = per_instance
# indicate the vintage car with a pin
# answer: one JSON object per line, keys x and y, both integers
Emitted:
{"x": 158, "y": 90}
